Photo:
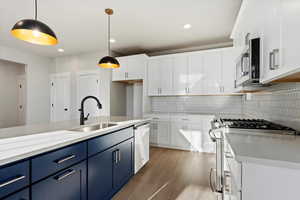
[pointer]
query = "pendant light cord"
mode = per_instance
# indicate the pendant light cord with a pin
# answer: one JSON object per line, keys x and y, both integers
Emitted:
{"x": 35, "y": 13}
{"x": 108, "y": 45}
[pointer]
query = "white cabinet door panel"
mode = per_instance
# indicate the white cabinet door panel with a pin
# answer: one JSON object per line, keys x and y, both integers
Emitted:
{"x": 180, "y": 135}
{"x": 212, "y": 66}
{"x": 163, "y": 133}
{"x": 154, "y": 77}
{"x": 195, "y": 70}
{"x": 166, "y": 76}
{"x": 229, "y": 57}
{"x": 136, "y": 67}
{"x": 180, "y": 75}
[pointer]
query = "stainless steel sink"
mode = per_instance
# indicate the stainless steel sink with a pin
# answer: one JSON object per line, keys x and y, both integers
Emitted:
{"x": 94, "y": 127}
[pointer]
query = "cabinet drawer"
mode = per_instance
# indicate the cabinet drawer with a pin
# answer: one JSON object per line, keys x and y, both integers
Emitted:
{"x": 22, "y": 195}
{"x": 52, "y": 162}
{"x": 104, "y": 142}
{"x": 13, "y": 178}
{"x": 69, "y": 184}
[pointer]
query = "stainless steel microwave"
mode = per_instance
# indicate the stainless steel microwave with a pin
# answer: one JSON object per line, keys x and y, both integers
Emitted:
{"x": 248, "y": 64}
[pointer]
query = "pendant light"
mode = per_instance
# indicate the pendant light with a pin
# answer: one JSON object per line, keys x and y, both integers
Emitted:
{"x": 109, "y": 61}
{"x": 34, "y": 31}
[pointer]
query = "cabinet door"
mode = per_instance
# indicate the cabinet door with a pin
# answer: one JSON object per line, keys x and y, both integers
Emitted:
{"x": 22, "y": 195}
{"x": 166, "y": 82}
{"x": 290, "y": 33}
{"x": 153, "y": 133}
{"x": 180, "y": 135}
{"x": 118, "y": 74}
{"x": 136, "y": 67}
{"x": 163, "y": 133}
{"x": 195, "y": 70}
{"x": 180, "y": 75}
{"x": 271, "y": 38}
{"x": 228, "y": 70}
{"x": 100, "y": 176}
{"x": 69, "y": 184}
{"x": 154, "y": 77}
{"x": 123, "y": 163}
{"x": 212, "y": 71}
{"x": 196, "y": 133}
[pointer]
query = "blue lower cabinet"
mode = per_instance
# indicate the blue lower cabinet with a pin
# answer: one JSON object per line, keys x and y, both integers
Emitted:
{"x": 22, "y": 195}
{"x": 100, "y": 173}
{"x": 123, "y": 165}
{"x": 14, "y": 178}
{"x": 69, "y": 184}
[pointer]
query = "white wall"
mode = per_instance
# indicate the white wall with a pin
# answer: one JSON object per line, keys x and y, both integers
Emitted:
{"x": 87, "y": 62}
{"x": 9, "y": 75}
{"x": 37, "y": 75}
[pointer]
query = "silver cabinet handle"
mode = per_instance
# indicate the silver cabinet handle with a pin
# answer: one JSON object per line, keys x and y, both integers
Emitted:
{"x": 18, "y": 178}
{"x": 119, "y": 155}
{"x": 227, "y": 185}
{"x": 271, "y": 66}
{"x": 65, "y": 159}
{"x": 228, "y": 155}
{"x": 185, "y": 119}
{"x": 116, "y": 156}
{"x": 68, "y": 173}
{"x": 211, "y": 182}
{"x": 275, "y": 54}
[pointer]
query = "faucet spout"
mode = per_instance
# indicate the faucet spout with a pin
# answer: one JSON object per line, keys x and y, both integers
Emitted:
{"x": 82, "y": 118}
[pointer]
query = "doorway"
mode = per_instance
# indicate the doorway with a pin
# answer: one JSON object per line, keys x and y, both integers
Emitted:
{"x": 13, "y": 94}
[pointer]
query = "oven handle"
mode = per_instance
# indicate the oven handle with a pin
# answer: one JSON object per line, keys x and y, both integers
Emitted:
{"x": 212, "y": 186}
{"x": 212, "y": 135}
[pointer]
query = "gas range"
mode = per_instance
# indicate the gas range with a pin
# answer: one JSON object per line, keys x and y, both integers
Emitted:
{"x": 255, "y": 125}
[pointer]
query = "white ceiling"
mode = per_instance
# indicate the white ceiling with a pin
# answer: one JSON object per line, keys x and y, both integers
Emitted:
{"x": 137, "y": 25}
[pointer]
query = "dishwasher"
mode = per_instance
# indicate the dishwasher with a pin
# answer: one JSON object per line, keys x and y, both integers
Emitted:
{"x": 141, "y": 147}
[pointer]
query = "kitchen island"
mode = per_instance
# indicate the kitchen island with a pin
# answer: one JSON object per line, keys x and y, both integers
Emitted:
{"x": 56, "y": 161}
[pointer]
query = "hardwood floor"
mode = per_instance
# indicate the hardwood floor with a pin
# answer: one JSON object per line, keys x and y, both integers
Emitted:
{"x": 171, "y": 175}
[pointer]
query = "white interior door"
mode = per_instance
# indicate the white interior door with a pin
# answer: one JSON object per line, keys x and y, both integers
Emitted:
{"x": 22, "y": 100}
{"x": 60, "y": 97}
{"x": 88, "y": 84}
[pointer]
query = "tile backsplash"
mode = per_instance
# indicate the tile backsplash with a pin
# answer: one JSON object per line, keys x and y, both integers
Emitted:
{"x": 198, "y": 104}
{"x": 280, "y": 104}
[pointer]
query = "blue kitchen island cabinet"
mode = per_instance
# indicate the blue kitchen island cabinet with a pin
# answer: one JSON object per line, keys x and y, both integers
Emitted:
{"x": 69, "y": 184}
{"x": 123, "y": 165}
{"x": 22, "y": 195}
{"x": 108, "y": 171}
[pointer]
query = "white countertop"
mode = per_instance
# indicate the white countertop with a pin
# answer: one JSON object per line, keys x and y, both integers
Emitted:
{"x": 266, "y": 149}
{"x": 22, "y": 142}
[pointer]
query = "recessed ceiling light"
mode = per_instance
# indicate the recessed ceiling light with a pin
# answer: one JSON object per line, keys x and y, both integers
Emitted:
{"x": 112, "y": 40}
{"x": 60, "y": 50}
{"x": 187, "y": 26}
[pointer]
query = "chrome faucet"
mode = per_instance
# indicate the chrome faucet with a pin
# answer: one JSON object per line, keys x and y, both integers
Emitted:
{"x": 82, "y": 117}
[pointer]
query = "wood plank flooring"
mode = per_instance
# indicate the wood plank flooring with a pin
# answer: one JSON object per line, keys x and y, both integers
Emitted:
{"x": 171, "y": 175}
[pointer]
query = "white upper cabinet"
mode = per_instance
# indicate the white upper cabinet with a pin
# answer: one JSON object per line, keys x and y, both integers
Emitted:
{"x": 160, "y": 76}
{"x": 212, "y": 72}
{"x": 195, "y": 77}
{"x": 278, "y": 22}
{"x": 229, "y": 57}
{"x": 198, "y": 73}
{"x": 166, "y": 74}
{"x": 154, "y": 77}
{"x": 180, "y": 75}
{"x": 290, "y": 34}
{"x": 271, "y": 38}
{"x": 131, "y": 68}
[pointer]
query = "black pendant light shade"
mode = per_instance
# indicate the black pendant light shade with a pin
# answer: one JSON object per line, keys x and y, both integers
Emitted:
{"x": 34, "y": 31}
{"x": 109, "y": 62}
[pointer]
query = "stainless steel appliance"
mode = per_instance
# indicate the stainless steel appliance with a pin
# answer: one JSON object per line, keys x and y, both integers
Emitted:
{"x": 219, "y": 177}
{"x": 248, "y": 64}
